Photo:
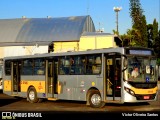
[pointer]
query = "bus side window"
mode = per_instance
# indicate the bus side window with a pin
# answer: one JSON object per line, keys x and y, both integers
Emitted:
{"x": 61, "y": 72}
{"x": 39, "y": 67}
{"x": 64, "y": 66}
{"x": 93, "y": 64}
{"x": 89, "y": 69}
{"x": 77, "y": 69}
{"x": 27, "y": 68}
{"x": 77, "y": 65}
{"x": 98, "y": 60}
{"x": 83, "y": 65}
{"x": 97, "y": 66}
{"x": 72, "y": 62}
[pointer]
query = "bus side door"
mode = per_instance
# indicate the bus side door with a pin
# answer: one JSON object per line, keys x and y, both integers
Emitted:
{"x": 15, "y": 77}
{"x": 51, "y": 77}
{"x": 113, "y": 77}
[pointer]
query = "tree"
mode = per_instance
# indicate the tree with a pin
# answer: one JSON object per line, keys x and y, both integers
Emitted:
{"x": 115, "y": 32}
{"x": 135, "y": 12}
{"x": 157, "y": 48}
{"x": 125, "y": 40}
{"x": 150, "y": 35}
{"x": 129, "y": 39}
{"x": 133, "y": 34}
{"x": 157, "y": 45}
{"x": 139, "y": 23}
{"x": 143, "y": 32}
{"x": 155, "y": 29}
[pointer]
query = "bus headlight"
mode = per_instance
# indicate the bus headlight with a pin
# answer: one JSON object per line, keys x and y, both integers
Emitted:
{"x": 132, "y": 92}
{"x": 129, "y": 91}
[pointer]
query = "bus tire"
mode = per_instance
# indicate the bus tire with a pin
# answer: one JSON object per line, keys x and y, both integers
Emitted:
{"x": 95, "y": 99}
{"x": 32, "y": 95}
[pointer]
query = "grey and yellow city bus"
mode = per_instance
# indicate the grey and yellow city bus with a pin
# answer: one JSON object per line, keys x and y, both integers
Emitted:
{"x": 96, "y": 76}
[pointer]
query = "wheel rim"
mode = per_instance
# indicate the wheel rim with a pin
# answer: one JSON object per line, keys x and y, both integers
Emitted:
{"x": 31, "y": 95}
{"x": 96, "y": 99}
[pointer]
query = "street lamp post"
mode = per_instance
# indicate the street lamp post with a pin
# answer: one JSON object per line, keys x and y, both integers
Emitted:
{"x": 117, "y": 9}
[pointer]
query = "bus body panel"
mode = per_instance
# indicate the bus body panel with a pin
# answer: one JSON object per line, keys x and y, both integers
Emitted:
{"x": 37, "y": 84}
{"x": 37, "y": 81}
{"x": 79, "y": 86}
{"x": 6, "y": 84}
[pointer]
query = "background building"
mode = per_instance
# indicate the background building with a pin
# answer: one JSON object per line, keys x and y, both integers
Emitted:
{"x": 28, "y": 36}
{"x": 33, "y": 35}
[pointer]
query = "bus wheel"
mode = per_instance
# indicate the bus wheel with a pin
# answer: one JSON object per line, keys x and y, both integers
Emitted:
{"x": 95, "y": 99}
{"x": 32, "y": 95}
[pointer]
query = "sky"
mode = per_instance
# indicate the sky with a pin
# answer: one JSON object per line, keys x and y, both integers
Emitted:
{"x": 101, "y": 11}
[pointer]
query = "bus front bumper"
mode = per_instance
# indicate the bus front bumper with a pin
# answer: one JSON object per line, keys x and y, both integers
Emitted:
{"x": 140, "y": 98}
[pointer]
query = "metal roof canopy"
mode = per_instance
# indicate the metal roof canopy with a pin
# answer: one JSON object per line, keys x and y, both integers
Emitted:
{"x": 26, "y": 31}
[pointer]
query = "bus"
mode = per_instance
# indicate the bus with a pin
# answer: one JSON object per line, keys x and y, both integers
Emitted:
{"x": 96, "y": 77}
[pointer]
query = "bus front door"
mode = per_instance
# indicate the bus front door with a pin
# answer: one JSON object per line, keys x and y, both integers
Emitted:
{"x": 113, "y": 77}
{"x": 51, "y": 78}
{"x": 15, "y": 77}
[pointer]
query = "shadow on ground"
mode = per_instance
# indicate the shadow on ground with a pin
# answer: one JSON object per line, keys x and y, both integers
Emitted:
{"x": 128, "y": 104}
{"x": 81, "y": 103}
{"x": 6, "y": 100}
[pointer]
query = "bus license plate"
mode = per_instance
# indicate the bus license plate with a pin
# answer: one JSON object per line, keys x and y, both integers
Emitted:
{"x": 146, "y": 97}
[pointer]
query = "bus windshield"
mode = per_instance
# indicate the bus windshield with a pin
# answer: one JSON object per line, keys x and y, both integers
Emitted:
{"x": 141, "y": 69}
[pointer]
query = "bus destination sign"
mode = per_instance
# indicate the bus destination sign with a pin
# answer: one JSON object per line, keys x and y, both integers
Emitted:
{"x": 140, "y": 52}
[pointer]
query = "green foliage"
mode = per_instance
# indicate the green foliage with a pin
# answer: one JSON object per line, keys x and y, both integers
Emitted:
{"x": 150, "y": 35}
{"x": 157, "y": 45}
{"x": 136, "y": 13}
{"x": 139, "y": 24}
{"x": 155, "y": 29}
{"x": 158, "y": 61}
{"x": 115, "y": 32}
{"x": 143, "y": 32}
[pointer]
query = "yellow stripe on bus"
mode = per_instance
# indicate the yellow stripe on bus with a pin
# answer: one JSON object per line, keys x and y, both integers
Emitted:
{"x": 7, "y": 85}
{"x": 39, "y": 85}
{"x": 24, "y": 85}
